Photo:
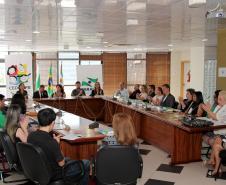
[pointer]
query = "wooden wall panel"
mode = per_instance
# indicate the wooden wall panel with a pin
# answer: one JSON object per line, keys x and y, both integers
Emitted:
{"x": 114, "y": 71}
{"x": 90, "y": 57}
{"x": 158, "y": 68}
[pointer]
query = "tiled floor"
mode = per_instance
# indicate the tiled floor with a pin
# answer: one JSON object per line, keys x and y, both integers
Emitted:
{"x": 157, "y": 172}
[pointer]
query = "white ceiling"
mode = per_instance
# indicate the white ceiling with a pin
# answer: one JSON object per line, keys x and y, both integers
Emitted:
{"x": 101, "y": 25}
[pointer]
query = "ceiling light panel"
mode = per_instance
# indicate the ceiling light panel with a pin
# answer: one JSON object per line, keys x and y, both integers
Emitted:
{"x": 136, "y": 6}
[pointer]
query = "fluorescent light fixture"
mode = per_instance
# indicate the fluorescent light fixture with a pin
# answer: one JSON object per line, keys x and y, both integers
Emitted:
{"x": 134, "y": 6}
{"x": 196, "y": 3}
{"x": 88, "y": 47}
{"x": 132, "y": 22}
{"x": 111, "y": 1}
{"x": 204, "y": 40}
{"x": 138, "y": 49}
{"x": 28, "y": 40}
{"x": 2, "y": 36}
{"x": 68, "y": 4}
{"x": 36, "y": 32}
{"x": 2, "y": 31}
{"x": 105, "y": 42}
{"x": 2, "y": 1}
{"x": 170, "y": 45}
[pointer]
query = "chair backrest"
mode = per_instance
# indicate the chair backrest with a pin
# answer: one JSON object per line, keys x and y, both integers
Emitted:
{"x": 10, "y": 150}
{"x": 34, "y": 163}
{"x": 118, "y": 164}
{"x": 222, "y": 155}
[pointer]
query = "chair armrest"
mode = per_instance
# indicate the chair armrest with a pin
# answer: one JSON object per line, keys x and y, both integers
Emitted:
{"x": 72, "y": 165}
{"x": 93, "y": 167}
{"x": 141, "y": 166}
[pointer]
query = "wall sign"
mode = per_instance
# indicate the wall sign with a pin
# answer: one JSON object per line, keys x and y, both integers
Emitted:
{"x": 222, "y": 72}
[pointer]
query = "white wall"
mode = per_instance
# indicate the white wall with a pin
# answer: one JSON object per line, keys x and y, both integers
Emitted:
{"x": 177, "y": 56}
{"x": 196, "y": 56}
{"x": 197, "y": 68}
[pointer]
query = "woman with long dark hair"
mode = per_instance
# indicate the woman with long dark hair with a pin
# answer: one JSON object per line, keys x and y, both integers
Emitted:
{"x": 97, "y": 90}
{"x": 16, "y": 124}
{"x": 59, "y": 92}
{"x": 197, "y": 99}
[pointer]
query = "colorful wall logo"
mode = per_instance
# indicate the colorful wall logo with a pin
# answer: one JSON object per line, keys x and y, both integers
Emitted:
{"x": 18, "y": 74}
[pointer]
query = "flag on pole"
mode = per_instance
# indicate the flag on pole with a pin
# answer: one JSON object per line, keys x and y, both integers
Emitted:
{"x": 50, "y": 81}
{"x": 37, "y": 85}
{"x": 61, "y": 74}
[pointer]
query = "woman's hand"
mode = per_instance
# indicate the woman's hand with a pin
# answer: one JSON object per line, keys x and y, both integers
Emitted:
{"x": 206, "y": 107}
{"x": 24, "y": 123}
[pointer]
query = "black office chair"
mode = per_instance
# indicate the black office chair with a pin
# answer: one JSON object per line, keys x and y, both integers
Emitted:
{"x": 11, "y": 156}
{"x": 36, "y": 167}
{"x": 118, "y": 165}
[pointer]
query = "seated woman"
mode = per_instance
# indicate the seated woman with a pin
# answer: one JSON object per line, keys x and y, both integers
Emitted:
{"x": 215, "y": 139}
{"x": 151, "y": 90}
{"x": 16, "y": 124}
{"x": 124, "y": 132}
{"x": 213, "y": 107}
{"x": 2, "y": 111}
{"x": 194, "y": 105}
{"x": 143, "y": 93}
{"x": 22, "y": 90}
{"x": 156, "y": 100}
{"x": 135, "y": 92}
{"x": 59, "y": 92}
{"x": 18, "y": 99}
{"x": 97, "y": 90}
{"x": 185, "y": 103}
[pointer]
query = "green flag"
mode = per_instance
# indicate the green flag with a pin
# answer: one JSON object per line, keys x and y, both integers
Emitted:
{"x": 94, "y": 80}
{"x": 37, "y": 85}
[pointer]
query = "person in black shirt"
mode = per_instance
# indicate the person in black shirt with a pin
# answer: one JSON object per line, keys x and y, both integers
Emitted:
{"x": 184, "y": 104}
{"x": 135, "y": 92}
{"x": 194, "y": 106}
{"x": 50, "y": 146}
{"x": 22, "y": 90}
{"x": 97, "y": 90}
{"x": 41, "y": 93}
{"x": 151, "y": 91}
{"x": 18, "y": 99}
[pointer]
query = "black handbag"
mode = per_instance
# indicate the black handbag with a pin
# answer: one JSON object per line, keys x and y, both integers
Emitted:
{"x": 194, "y": 122}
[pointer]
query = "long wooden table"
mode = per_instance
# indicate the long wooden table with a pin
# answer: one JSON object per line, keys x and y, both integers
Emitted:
{"x": 84, "y": 147}
{"x": 164, "y": 130}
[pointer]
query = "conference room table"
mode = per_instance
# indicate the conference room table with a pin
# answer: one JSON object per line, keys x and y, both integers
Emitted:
{"x": 79, "y": 142}
{"x": 161, "y": 129}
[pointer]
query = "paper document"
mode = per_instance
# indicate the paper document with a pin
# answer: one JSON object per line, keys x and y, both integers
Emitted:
{"x": 72, "y": 136}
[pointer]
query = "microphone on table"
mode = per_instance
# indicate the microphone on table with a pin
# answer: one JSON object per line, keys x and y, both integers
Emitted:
{"x": 93, "y": 125}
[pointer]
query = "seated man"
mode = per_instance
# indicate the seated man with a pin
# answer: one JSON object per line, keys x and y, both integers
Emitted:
{"x": 168, "y": 99}
{"x": 78, "y": 91}
{"x": 41, "y": 93}
{"x": 122, "y": 91}
{"x": 50, "y": 146}
{"x": 135, "y": 92}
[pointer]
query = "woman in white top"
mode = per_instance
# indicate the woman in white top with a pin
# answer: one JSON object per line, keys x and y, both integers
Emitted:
{"x": 156, "y": 100}
{"x": 143, "y": 95}
{"x": 219, "y": 117}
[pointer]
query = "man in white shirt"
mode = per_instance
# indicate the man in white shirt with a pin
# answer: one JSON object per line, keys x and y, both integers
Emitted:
{"x": 122, "y": 91}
